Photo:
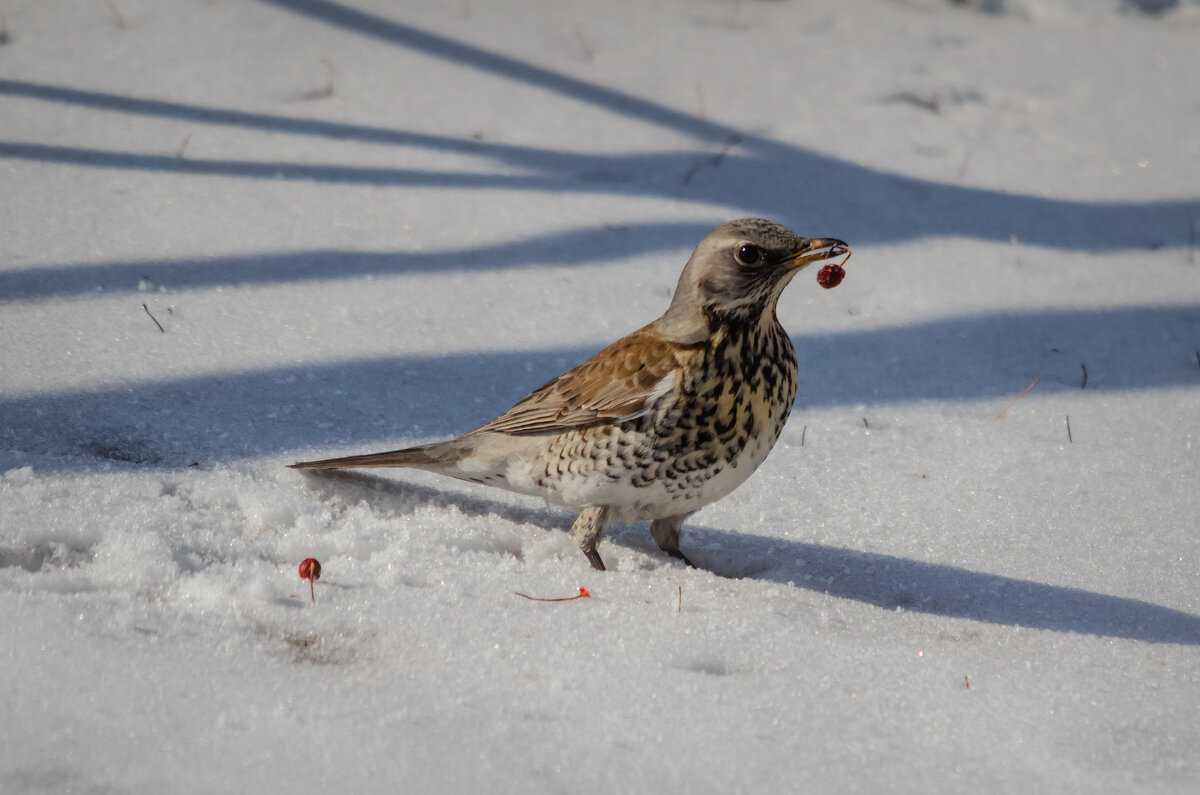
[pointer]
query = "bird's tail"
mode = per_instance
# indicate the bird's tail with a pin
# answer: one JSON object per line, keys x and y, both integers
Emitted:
{"x": 428, "y": 456}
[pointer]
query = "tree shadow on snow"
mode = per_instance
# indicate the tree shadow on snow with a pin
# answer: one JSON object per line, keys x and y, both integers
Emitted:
{"x": 727, "y": 167}
{"x": 569, "y": 247}
{"x": 354, "y": 405}
{"x": 360, "y": 404}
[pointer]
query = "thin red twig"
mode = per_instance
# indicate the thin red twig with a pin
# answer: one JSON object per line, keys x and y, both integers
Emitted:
{"x": 1024, "y": 392}
{"x": 583, "y": 594}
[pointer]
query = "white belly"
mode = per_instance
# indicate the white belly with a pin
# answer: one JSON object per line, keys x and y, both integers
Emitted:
{"x": 630, "y": 501}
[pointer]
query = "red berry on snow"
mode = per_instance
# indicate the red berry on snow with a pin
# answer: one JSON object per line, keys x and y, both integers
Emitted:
{"x": 310, "y": 569}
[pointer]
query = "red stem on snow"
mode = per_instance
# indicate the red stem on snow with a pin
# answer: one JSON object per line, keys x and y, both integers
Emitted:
{"x": 583, "y": 594}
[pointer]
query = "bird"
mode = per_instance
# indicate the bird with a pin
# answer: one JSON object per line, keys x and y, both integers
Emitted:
{"x": 663, "y": 421}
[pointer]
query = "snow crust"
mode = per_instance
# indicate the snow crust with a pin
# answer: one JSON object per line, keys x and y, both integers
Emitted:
{"x": 362, "y": 225}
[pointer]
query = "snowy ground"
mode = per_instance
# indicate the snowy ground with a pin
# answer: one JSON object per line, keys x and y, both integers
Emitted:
{"x": 367, "y": 225}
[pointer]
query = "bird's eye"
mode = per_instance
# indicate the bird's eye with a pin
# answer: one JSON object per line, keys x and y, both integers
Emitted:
{"x": 749, "y": 255}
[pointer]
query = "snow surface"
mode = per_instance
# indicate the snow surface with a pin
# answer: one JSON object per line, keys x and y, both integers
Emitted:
{"x": 363, "y": 225}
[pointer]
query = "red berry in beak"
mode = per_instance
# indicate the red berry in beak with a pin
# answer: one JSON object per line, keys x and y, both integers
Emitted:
{"x": 831, "y": 276}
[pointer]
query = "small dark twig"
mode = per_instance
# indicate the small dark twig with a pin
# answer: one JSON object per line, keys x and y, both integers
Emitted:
{"x": 865, "y": 424}
{"x": 680, "y": 608}
{"x": 804, "y": 432}
{"x": 183, "y": 145}
{"x": 1069, "y": 439}
{"x": 1084, "y": 368}
{"x": 325, "y": 91}
{"x": 930, "y": 102}
{"x": 118, "y": 20}
{"x": 730, "y": 142}
{"x": 714, "y": 160}
{"x": 152, "y": 317}
{"x": 328, "y": 90}
{"x": 966, "y": 161}
{"x": 589, "y": 52}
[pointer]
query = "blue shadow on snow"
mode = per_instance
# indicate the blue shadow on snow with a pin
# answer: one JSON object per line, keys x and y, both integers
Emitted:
{"x": 350, "y": 405}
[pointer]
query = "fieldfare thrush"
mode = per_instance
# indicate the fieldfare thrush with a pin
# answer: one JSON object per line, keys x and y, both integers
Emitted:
{"x": 662, "y": 422}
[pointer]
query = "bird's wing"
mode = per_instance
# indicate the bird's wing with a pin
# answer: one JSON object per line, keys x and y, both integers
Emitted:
{"x": 622, "y": 382}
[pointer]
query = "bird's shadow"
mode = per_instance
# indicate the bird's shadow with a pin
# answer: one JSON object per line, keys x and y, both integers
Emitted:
{"x": 886, "y": 581}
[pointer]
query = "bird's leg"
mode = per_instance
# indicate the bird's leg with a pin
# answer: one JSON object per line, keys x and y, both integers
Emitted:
{"x": 587, "y": 530}
{"x": 666, "y": 533}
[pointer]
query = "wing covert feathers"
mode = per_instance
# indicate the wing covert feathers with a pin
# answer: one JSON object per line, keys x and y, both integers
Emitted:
{"x": 620, "y": 383}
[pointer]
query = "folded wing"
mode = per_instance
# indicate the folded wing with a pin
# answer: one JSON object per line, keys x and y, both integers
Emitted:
{"x": 624, "y": 381}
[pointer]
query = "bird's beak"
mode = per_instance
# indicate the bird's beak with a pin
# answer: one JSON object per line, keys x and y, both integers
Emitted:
{"x": 817, "y": 249}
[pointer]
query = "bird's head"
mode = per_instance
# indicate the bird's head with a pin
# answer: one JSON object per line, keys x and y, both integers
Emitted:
{"x": 737, "y": 274}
